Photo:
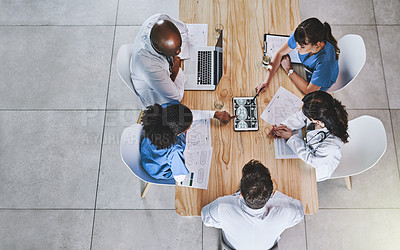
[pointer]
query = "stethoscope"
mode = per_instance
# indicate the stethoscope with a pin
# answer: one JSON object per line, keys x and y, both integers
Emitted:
{"x": 323, "y": 135}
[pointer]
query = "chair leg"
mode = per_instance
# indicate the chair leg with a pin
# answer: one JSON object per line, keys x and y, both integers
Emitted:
{"x": 347, "y": 179}
{"x": 146, "y": 189}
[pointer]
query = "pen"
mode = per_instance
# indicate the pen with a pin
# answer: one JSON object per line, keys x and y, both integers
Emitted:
{"x": 255, "y": 97}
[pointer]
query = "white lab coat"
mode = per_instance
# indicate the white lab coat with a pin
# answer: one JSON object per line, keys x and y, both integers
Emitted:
{"x": 150, "y": 70}
{"x": 326, "y": 154}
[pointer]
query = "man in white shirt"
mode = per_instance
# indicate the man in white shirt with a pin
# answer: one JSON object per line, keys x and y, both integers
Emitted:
{"x": 252, "y": 218}
{"x": 154, "y": 65}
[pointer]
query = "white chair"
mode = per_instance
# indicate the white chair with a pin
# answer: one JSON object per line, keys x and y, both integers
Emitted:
{"x": 124, "y": 71}
{"x": 366, "y": 146}
{"x": 351, "y": 60}
{"x": 123, "y": 65}
{"x": 131, "y": 139}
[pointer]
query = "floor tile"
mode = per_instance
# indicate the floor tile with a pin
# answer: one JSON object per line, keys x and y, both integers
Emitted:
{"x": 211, "y": 238}
{"x": 54, "y": 67}
{"x": 377, "y": 229}
{"x": 135, "y": 12}
{"x": 379, "y": 187}
{"x": 338, "y": 11}
{"x": 45, "y": 229}
{"x": 387, "y": 11}
{"x": 119, "y": 188}
{"x": 49, "y": 159}
{"x": 291, "y": 238}
{"x": 72, "y": 12}
{"x": 120, "y": 96}
{"x": 146, "y": 229}
{"x": 369, "y": 86}
{"x": 390, "y": 58}
{"x": 395, "y": 114}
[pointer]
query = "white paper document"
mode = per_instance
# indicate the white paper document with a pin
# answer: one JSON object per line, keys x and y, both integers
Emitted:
{"x": 275, "y": 42}
{"x": 198, "y": 163}
{"x": 198, "y": 154}
{"x": 283, "y": 104}
{"x": 282, "y": 150}
{"x": 197, "y": 36}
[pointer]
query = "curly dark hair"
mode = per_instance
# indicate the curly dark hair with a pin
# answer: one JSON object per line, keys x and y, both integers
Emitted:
{"x": 162, "y": 125}
{"x": 256, "y": 185}
{"x": 321, "y": 106}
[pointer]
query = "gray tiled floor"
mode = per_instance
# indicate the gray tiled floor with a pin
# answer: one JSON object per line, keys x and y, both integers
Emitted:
{"x": 63, "y": 108}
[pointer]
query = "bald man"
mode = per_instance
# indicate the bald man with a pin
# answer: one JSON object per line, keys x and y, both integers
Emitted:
{"x": 155, "y": 71}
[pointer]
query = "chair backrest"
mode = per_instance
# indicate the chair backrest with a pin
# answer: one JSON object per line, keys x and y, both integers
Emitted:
{"x": 131, "y": 139}
{"x": 351, "y": 60}
{"x": 123, "y": 64}
{"x": 366, "y": 146}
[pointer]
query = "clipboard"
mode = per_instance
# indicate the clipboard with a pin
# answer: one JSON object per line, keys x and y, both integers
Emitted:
{"x": 275, "y": 42}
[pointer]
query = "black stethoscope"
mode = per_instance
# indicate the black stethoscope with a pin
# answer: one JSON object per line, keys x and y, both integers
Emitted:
{"x": 323, "y": 135}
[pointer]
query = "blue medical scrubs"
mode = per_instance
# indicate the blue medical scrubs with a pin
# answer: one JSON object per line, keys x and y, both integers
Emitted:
{"x": 322, "y": 68}
{"x": 164, "y": 163}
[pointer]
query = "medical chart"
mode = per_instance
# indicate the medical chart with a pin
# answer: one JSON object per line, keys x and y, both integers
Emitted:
{"x": 282, "y": 150}
{"x": 197, "y": 36}
{"x": 275, "y": 42}
{"x": 283, "y": 104}
{"x": 198, "y": 154}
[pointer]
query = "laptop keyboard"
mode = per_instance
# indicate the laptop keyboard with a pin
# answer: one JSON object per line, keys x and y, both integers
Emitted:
{"x": 204, "y": 67}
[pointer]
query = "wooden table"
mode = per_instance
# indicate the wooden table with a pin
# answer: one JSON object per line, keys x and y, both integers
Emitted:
{"x": 245, "y": 22}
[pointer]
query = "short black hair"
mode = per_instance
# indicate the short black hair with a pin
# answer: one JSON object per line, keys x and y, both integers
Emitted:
{"x": 256, "y": 184}
{"x": 162, "y": 125}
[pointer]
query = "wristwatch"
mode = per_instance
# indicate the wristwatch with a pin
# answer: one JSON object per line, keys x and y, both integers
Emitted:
{"x": 290, "y": 72}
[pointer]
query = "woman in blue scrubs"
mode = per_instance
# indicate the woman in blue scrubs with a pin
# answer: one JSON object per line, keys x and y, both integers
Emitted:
{"x": 318, "y": 52}
{"x": 164, "y": 140}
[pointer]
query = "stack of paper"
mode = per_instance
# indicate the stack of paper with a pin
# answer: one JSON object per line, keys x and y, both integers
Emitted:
{"x": 198, "y": 154}
{"x": 275, "y": 42}
{"x": 282, "y": 105}
{"x": 197, "y": 36}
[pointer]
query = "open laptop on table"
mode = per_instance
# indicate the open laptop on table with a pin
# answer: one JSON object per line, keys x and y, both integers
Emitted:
{"x": 204, "y": 68}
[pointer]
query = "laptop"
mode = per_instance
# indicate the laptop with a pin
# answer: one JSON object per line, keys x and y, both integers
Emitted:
{"x": 204, "y": 68}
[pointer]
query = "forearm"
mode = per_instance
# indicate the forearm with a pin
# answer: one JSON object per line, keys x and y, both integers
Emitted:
{"x": 274, "y": 67}
{"x": 299, "y": 82}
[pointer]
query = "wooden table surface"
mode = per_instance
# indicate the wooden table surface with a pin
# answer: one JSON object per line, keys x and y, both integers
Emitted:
{"x": 245, "y": 22}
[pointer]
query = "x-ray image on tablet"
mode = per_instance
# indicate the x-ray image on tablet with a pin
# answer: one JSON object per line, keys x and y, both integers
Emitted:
{"x": 246, "y": 110}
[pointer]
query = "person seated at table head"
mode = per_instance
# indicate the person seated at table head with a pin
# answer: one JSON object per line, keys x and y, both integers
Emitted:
{"x": 155, "y": 71}
{"x": 326, "y": 122}
{"x": 254, "y": 217}
{"x": 165, "y": 138}
{"x": 318, "y": 52}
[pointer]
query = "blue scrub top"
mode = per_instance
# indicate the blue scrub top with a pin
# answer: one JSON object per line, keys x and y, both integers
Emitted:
{"x": 164, "y": 163}
{"x": 323, "y": 66}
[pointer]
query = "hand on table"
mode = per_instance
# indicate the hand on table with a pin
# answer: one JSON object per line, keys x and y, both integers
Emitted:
{"x": 280, "y": 131}
{"x": 261, "y": 87}
{"x": 223, "y": 116}
{"x": 286, "y": 63}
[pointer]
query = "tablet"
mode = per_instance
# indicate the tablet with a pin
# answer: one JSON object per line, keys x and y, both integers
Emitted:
{"x": 246, "y": 110}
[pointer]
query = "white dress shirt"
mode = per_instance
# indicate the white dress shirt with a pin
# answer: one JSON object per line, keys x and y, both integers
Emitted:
{"x": 324, "y": 155}
{"x": 150, "y": 72}
{"x": 251, "y": 229}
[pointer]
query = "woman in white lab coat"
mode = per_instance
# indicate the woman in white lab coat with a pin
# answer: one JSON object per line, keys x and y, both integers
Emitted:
{"x": 326, "y": 124}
